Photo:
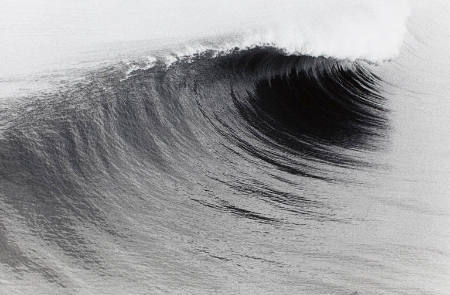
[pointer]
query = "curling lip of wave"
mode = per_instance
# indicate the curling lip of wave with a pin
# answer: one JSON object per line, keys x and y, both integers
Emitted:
{"x": 346, "y": 29}
{"x": 374, "y": 34}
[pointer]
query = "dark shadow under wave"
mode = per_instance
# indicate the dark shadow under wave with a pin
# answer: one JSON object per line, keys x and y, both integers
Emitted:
{"x": 315, "y": 109}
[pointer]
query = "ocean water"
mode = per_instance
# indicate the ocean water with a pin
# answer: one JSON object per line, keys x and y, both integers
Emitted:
{"x": 296, "y": 148}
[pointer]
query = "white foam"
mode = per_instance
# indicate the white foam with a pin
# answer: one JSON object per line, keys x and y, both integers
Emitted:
{"x": 38, "y": 33}
{"x": 370, "y": 30}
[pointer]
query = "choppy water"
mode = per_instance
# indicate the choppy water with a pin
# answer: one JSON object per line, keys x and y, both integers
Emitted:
{"x": 248, "y": 171}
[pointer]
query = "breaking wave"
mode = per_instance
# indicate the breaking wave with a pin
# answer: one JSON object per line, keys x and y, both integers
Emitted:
{"x": 137, "y": 144}
{"x": 254, "y": 152}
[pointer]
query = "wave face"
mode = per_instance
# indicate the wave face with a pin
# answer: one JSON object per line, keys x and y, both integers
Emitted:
{"x": 134, "y": 174}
